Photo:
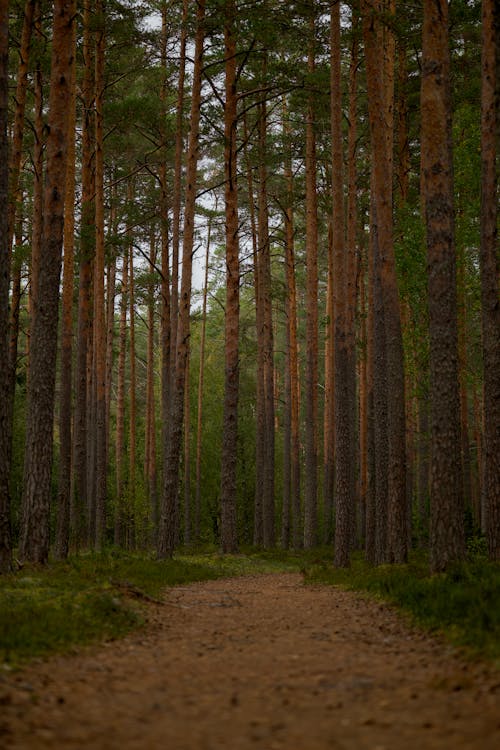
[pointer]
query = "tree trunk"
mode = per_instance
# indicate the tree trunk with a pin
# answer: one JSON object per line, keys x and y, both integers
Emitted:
{"x": 490, "y": 118}
{"x": 150, "y": 453}
{"x": 342, "y": 409}
{"x": 64, "y": 489}
{"x": 78, "y": 511}
{"x": 292, "y": 355}
{"x": 446, "y": 490}
{"x": 311, "y": 447}
{"x": 266, "y": 337}
{"x": 35, "y": 524}
{"x": 99, "y": 296}
{"x": 169, "y": 512}
{"x": 131, "y": 512}
{"x": 380, "y": 84}
{"x": 201, "y": 378}
{"x": 5, "y": 390}
{"x": 119, "y": 521}
{"x": 229, "y": 537}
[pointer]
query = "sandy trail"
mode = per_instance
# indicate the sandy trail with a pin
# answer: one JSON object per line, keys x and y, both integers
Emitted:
{"x": 257, "y": 662}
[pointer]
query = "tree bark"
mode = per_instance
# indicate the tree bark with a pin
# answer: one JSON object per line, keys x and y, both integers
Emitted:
{"x": 312, "y": 376}
{"x": 80, "y": 500}
{"x": 169, "y": 512}
{"x": 35, "y": 524}
{"x": 5, "y": 390}
{"x": 446, "y": 489}
{"x": 229, "y": 537}
{"x": 490, "y": 119}
{"x": 64, "y": 488}
{"x": 380, "y": 84}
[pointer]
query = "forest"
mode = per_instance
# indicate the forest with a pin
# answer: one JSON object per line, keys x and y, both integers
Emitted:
{"x": 249, "y": 271}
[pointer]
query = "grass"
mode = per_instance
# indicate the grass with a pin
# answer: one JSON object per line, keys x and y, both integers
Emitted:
{"x": 462, "y": 604}
{"x": 88, "y": 598}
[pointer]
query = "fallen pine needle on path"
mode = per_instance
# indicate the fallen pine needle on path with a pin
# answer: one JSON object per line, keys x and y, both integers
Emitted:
{"x": 257, "y": 662}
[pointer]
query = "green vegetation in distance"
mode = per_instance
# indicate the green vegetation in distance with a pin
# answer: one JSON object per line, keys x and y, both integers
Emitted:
{"x": 91, "y": 598}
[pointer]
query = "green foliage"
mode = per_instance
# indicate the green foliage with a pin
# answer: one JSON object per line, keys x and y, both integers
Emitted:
{"x": 94, "y": 597}
{"x": 462, "y": 604}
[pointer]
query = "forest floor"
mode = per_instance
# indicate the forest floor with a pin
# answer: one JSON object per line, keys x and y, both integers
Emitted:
{"x": 257, "y": 662}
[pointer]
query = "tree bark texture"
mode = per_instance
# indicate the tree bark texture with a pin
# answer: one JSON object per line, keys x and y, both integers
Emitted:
{"x": 229, "y": 539}
{"x": 490, "y": 119}
{"x": 169, "y": 518}
{"x": 312, "y": 375}
{"x": 446, "y": 488}
{"x": 5, "y": 390}
{"x": 35, "y": 524}
{"x": 380, "y": 84}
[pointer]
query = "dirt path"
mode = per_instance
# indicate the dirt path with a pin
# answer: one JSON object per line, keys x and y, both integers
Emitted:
{"x": 263, "y": 663}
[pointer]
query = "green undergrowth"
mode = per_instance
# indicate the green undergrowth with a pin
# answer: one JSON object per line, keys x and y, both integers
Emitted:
{"x": 95, "y": 597}
{"x": 462, "y": 604}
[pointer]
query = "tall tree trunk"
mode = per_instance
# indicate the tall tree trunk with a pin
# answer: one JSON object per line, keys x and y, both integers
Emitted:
{"x": 297, "y": 537}
{"x": 35, "y": 537}
{"x": 229, "y": 537}
{"x": 165, "y": 305}
{"x": 490, "y": 114}
{"x": 201, "y": 378}
{"x": 64, "y": 488}
{"x": 5, "y": 390}
{"x": 490, "y": 123}
{"x": 150, "y": 453}
{"x": 131, "y": 525}
{"x": 78, "y": 521}
{"x": 342, "y": 408}
{"x": 177, "y": 187}
{"x": 38, "y": 188}
{"x": 99, "y": 296}
{"x": 169, "y": 512}
{"x": 266, "y": 337}
{"x": 119, "y": 520}
{"x": 328, "y": 411}
{"x": 311, "y": 447}
{"x": 187, "y": 461}
{"x": 446, "y": 491}
{"x": 380, "y": 84}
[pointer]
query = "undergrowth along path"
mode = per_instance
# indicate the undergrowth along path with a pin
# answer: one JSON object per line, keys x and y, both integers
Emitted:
{"x": 257, "y": 662}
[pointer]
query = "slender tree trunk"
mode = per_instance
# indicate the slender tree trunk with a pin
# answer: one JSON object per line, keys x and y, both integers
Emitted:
{"x": 266, "y": 335}
{"x": 446, "y": 491}
{"x": 201, "y": 378}
{"x": 150, "y": 458}
{"x": 99, "y": 296}
{"x": 490, "y": 123}
{"x": 131, "y": 526}
{"x": 311, "y": 447}
{"x": 119, "y": 520}
{"x": 229, "y": 537}
{"x": 38, "y": 188}
{"x": 328, "y": 416}
{"x": 166, "y": 327}
{"x": 34, "y": 542}
{"x": 5, "y": 390}
{"x": 342, "y": 409}
{"x": 64, "y": 489}
{"x": 292, "y": 352}
{"x": 169, "y": 512}
{"x": 187, "y": 461}
{"x": 380, "y": 105}
{"x": 177, "y": 187}
{"x": 78, "y": 522}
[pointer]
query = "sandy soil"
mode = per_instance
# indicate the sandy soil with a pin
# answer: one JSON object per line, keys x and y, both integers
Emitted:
{"x": 258, "y": 662}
